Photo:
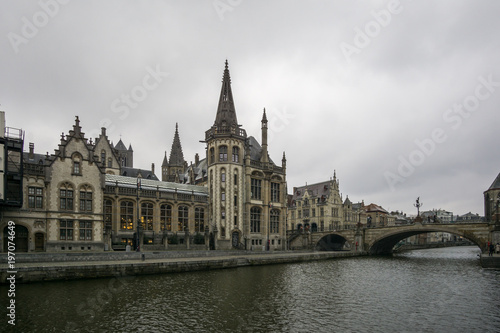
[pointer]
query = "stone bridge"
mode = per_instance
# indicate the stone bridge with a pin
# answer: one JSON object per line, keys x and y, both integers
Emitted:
{"x": 381, "y": 240}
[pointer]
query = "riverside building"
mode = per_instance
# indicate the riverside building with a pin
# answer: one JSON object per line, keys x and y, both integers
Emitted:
{"x": 87, "y": 196}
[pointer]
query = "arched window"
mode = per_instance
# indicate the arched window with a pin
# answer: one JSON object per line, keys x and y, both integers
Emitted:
{"x": 212, "y": 155}
{"x": 255, "y": 213}
{"x": 183, "y": 218}
{"x": 147, "y": 215}
{"x": 223, "y": 175}
{"x": 199, "y": 220}
{"x": 108, "y": 214}
{"x": 236, "y": 154}
{"x": 275, "y": 221}
{"x": 66, "y": 197}
{"x": 103, "y": 157}
{"x": 166, "y": 217}
{"x": 85, "y": 198}
{"x": 223, "y": 154}
{"x": 127, "y": 215}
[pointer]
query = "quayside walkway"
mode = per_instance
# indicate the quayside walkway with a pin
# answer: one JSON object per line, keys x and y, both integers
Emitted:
{"x": 31, "y": 268}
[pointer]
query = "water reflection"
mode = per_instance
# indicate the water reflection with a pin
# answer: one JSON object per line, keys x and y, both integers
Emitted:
{"x": 419, "y": 291}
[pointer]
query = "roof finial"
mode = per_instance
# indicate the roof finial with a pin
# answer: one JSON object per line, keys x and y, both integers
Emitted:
{"x": 226, "y": 64}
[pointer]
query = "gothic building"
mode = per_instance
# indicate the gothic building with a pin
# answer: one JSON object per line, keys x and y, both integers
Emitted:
{"x": 320, "y": 207}
{"x": 87, "y": 195}
{"x": 247, "y": 207}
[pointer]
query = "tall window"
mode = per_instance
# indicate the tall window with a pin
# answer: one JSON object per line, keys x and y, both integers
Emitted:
{"x": 77, "y": 160}
{"x": 108, "y": 214}
{"x": 66, "y": 197}
{"x": 35, "y": 197}
{"x": 212, "y": 155}
{"x": 85, "y": 230}
{"x": 85, "y": 199}
{"x": 321, "y": 212}
{"x": 110, "y": 162}
{"x": 255, "y": 213}
{"x": 199, "y": 220}
{"x": 275, "y": 192}
{"x": 147, "y": 215}
{"x": 103, "y": 157}
{"x": 127, "y": 215}
{"x": 183, "y": 218}
{"x": 223, "y": 196}
{"x": 255, "y": 187}
{"x": 235, "y": 178}
{"x": 223, "y": 154}
{"x": 275, "y": 221}
{"x": 166, "y": 217}
{"x": 66, "y": 230}
{"x": 236, "y": 154}
{"x": 223, "y": 175}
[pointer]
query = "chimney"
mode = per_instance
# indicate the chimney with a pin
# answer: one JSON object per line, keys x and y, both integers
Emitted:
{"x": 31, "y": 154}
{"x": 196, "y": 159}
{"x": 153, "y": 168}
{"x": 103, "y": 131}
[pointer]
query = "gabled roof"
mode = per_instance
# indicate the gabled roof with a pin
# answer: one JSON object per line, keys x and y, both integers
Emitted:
{"x": 375, "y": 208}
{"x": 120, "y": 145}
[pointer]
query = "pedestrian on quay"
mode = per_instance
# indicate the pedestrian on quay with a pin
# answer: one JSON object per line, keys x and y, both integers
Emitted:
{"x": 497, "y": 248}
{"x": 492, "y": 249}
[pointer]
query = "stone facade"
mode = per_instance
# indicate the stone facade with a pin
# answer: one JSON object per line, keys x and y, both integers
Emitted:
{"x": 87, "y": 196}
{"x": 320, "y": 207}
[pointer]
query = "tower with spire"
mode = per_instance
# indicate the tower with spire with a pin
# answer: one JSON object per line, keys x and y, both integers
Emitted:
{"x": 174, "y": 167}
{"x": 247, "y": 206}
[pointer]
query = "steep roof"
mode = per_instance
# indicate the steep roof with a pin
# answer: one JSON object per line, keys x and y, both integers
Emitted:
{"x": 316, "y": 190}
{"x": 176, "y": 155}
{"x": 120, "y": 145}
{"x": 226, "y": 112}
{"x": 495, "y": 184}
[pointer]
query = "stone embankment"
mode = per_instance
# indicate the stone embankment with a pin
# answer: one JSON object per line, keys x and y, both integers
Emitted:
{"x": 69, "y": 266}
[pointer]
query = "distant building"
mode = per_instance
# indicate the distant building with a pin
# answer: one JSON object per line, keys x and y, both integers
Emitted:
{"x": 492, "y": 201}
{"x": 319, "y": 207}
{"x": 436, "y": 216}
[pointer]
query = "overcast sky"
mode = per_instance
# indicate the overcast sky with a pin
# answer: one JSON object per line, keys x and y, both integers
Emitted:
{"x": 400, "y": 98}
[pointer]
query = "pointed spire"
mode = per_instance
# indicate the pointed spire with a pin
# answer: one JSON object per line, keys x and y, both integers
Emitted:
{"x": 176, "y": 155}
{"x": 165, "y": 161}
{"x": 226, "y": 113}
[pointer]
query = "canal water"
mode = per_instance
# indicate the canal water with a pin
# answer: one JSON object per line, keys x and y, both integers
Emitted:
{"x": 435, "y": 290}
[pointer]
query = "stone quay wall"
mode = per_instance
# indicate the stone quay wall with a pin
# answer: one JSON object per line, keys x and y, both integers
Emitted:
{"x": 71, "y": 270}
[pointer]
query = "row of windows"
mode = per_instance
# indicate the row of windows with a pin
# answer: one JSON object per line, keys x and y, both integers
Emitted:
{"x": 255, "y": 220}
{"x": 223, "y": 154}
{"x": 127, "y": 216}
{"x": 256, "y": 190}
{"x": 66, "y": 230}
{"x": 66, "y": 198}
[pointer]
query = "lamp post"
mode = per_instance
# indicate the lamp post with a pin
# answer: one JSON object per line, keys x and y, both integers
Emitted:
{"x": 269, "y": 228}
{"x": 138, "y": 242}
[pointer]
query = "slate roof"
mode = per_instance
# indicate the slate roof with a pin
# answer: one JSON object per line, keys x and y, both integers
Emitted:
{"x": 496, "y": 183}
{"x": 37, "y": 158}
{"x": 120, "y": 145}
{"x": 133, "y": 172}
{"x": 317, "y": 190}
{"x": 255, "y": 149}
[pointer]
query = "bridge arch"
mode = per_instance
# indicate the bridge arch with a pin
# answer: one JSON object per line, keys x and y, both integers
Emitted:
{"x": 332, "y": 242}
{"x": 385, "y": 243}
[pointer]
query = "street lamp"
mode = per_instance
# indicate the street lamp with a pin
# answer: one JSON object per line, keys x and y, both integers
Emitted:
{"x": 138, "y": 246}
